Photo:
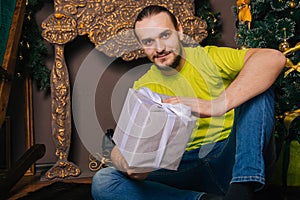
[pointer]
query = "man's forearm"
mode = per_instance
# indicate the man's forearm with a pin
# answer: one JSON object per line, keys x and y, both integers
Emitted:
{"x": 261, "y": 68}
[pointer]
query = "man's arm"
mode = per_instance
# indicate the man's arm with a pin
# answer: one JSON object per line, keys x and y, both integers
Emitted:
{"x": 260, "y": 70}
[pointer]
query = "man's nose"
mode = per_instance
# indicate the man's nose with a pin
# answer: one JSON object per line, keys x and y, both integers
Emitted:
{"x": 160, "y": 46}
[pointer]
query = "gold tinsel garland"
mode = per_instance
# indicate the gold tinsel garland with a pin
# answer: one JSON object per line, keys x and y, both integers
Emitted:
{"x": 289, "y": 117}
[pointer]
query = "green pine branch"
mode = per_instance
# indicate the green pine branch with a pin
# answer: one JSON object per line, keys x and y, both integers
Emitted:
{"x": 32, "y": 49}
{"x": 214, "y": 26}
{"x": 276, "y": 25}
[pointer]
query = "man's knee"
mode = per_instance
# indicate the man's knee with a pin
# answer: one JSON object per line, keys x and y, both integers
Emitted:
{"x": 102, "y": 182}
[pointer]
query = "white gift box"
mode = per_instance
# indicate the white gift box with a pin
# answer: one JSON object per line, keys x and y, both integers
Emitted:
{"x": 152, "y": 134}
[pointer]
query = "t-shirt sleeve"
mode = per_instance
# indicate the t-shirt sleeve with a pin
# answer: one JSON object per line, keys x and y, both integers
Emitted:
{"x": 145, "y": 80}
{"x": 136, "y": 85}
{"x": 230, "y": 60}
{"x": 141, "y": 82}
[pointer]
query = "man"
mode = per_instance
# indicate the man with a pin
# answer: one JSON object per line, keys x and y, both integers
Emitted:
{"x": 223, "y": 160}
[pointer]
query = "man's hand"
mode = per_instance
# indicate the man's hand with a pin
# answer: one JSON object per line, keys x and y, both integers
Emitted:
{"x": 137, "y": 176}
{"x": 200, "y": 107}
{"x": 121, "y": 164}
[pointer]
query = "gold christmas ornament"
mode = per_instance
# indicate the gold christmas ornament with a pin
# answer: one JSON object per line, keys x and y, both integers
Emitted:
{"x": 292, "y": 4}
{"x": 284, "y": 46}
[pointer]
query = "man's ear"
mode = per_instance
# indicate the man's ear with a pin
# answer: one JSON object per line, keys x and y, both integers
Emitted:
{"x": 180, "y": 31}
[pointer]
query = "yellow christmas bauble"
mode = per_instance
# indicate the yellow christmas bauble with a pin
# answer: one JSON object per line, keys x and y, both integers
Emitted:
{"x": 292, "y": 4}
{"x": 284, "y": 46}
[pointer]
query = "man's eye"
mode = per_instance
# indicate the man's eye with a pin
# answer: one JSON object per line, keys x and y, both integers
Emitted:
{"x": 147, "y": 42}
{"x": 165, "y": 35}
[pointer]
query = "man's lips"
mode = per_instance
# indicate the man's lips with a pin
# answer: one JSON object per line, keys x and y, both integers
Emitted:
{"x": 162, "y": 55}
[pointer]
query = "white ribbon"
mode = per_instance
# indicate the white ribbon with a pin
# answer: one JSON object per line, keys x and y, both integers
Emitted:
{"x": 181, "y": 110}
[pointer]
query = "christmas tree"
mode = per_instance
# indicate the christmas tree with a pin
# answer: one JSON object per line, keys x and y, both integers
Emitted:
{"x": 276, "y": 24}
{"x": 205, "y": 11}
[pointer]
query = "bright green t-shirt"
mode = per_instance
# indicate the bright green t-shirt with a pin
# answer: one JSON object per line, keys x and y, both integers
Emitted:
{"x": 205, "y": 74}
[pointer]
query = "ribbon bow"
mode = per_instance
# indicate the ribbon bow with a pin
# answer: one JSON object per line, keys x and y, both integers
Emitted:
{"x": 181, "y": 110}
{"x": 289, "y": 64}
{"x": 244, "y": 13}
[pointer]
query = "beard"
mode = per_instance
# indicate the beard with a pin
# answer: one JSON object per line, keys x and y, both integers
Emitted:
{"x": 173, "y": 65}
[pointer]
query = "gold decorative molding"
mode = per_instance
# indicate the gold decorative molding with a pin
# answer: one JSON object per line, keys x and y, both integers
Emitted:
{"x": 109, "y": 26}
{"x": 99, "y": 161}
{"x": 61, "y": 117}
{"x": 109, "y": 23}
{"x": 59, "y": 28}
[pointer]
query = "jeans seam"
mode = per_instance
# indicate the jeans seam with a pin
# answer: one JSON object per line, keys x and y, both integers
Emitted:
{"x": 259, "y": 179}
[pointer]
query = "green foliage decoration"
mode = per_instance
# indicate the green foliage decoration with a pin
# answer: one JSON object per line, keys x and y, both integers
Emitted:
{"x": 214, "y": 26}
{"x": 276, "y": 24}
{"x": 32, "y": 49}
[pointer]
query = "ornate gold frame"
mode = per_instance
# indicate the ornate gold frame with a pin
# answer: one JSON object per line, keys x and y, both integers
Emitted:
{"x": 109, "y": 25}
{"x": 29, "y": 121}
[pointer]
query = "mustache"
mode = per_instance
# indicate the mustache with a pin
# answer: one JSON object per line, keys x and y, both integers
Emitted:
{"x": 162, "y": 53}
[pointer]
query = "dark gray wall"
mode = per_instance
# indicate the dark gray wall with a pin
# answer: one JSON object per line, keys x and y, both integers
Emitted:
{"x": 75, "y": 54}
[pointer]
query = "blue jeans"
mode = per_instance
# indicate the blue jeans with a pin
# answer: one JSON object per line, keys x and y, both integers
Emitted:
{"x": 244, "y": 156}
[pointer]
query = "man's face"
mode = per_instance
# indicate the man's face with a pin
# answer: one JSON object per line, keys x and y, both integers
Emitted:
{"x": 160, "y": 41}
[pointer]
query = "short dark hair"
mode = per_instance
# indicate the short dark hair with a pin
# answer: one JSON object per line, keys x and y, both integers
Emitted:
{"x": 153, "y": 10}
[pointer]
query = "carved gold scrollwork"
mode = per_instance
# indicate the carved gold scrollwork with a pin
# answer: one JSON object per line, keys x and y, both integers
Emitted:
{"x": 99, "y": 161}
{"x": 59, "y": 28}
{"x": 61, "y": 117}
{"x": 114, "y": 35}
{"x": 196, "y": 27}
{"x": 69, "y": 6}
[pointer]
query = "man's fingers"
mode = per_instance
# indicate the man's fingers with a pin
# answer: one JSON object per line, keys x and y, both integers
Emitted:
{"x": 172, "y": 100}
{"x": 138, "y": 176}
